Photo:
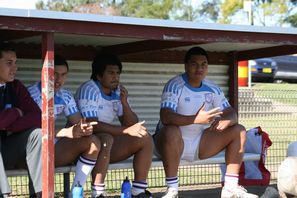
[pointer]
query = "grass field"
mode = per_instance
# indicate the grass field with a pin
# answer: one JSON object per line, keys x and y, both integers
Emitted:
{"x": 284, "y": 93}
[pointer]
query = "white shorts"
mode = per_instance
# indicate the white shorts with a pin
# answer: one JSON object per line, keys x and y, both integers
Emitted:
{"x": 191, "y": 144}
{"x": 191, "y": 148}
{"x": 192, "y": 135}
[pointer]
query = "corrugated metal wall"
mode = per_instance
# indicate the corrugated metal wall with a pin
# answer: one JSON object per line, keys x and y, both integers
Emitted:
{"x": 144, "y": 82}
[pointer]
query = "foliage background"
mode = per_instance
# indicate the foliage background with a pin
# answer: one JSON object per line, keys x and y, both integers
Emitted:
{"x": 263, "y": 12}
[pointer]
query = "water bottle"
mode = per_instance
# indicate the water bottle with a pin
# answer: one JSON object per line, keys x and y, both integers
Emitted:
{"x": 77, "y": 191}
{"x": 126, "y": 188}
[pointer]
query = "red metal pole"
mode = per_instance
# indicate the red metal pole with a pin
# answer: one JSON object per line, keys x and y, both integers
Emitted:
{"x": 47, "y": 76}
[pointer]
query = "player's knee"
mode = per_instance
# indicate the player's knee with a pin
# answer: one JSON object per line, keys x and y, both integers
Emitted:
{"x": 106, "y": 141}
{"x": 239, "y": 130}
{"x": 95, "y": 144}
{"x": 242, "y": 132}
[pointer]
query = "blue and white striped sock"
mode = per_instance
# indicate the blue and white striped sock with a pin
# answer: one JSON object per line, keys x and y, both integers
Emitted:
{"x": 231, "y": 180}
{"x": 97, "y": 189}
{"x": 172, "y": 182}
{"x": 83, "y": 168}
{"x": 138, "y": 187}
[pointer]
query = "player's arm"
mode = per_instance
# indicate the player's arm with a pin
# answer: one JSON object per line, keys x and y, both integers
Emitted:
{"x": 74, "y": 118}
{"x": 71, "y": 110}
{"x": 228, "y": 118}
{"x": 82, "y": 128}
{"x": 103, "y": 127}
{"x": 169, "y": 117}
{"x": 129, "y": 117}
{"x": 88, "y": 108}
{"x": 230, "y": 115}
{"x": 136, "y": 129}
{"x": 28, "y": 111}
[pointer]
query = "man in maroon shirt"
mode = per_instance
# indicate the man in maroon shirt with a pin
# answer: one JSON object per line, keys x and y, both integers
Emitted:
{"x": 20, "y": 122}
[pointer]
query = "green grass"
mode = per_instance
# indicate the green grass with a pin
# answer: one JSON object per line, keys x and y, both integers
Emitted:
{"x": 275, "y": 86}
{"x": 284, "y": 93}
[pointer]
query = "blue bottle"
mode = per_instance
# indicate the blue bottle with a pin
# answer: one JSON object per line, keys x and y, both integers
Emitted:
{"x": 77, "y": 191}
{"x": 126, "y": 189}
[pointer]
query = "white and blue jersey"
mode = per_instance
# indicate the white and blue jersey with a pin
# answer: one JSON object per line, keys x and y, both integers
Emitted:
{"x": 64, "y": 100}
{"x": 179, "y": 96}
{"x": 93, "y": 103}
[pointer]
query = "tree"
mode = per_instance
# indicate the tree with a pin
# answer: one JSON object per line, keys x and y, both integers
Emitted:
{"x": 292, "y": 20}
{"x": 184, "y": 10}
{"x": 62, "y": 5}
{"x": 208, "y": 11}
{"x": 158, "y": 9}
{"x": 133, "y": 8}
{"x": 228, "y": 9}
{"x": 266, "y": 12}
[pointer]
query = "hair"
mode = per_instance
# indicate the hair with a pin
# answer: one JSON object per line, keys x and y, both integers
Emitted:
{"x": 195, "y": 51}
{"x": 59, "y": 60}
{"x": 5, "y": 47}
{"x": 101, "y": 61}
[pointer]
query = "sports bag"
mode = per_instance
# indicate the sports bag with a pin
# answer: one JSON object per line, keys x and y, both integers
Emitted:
{"x": 254, "y": 172}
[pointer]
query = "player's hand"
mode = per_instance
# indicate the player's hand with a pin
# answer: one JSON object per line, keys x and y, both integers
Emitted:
{"x": 83, "y": 128}
{"x": 137, "y": 130}
{"x": 219, "y": 124}
{"x": 123, "y": 94}
{"x": 206, "y": 117}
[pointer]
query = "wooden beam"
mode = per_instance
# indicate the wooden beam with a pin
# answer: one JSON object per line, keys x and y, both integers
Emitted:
{"x": 267, "y": 52}
{"x": 233, "y": 81}
{"x": 139, "y": 31}
{"x": 87, "y": 53}
{"x": 70, "y": 52}
{"x": 147, "y": 45}
{"x": 8, "y": 35}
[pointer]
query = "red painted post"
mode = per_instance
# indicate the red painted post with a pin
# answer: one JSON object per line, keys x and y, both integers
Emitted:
{"x": 47, "y": 78}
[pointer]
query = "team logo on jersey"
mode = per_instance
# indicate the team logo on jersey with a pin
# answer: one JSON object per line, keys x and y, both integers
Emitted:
{"x": 187, "y": 99}
{"x": 208, "y": 97}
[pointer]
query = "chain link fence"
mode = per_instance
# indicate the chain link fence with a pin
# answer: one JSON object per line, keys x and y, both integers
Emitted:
{"x": 274, "y": 108}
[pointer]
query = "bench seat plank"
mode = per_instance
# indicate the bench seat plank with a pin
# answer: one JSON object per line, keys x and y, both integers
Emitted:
{"x": 156, "y": 162}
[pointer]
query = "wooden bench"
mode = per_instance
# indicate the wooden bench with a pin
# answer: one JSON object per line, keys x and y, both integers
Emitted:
{"x": 126, "y": 164}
